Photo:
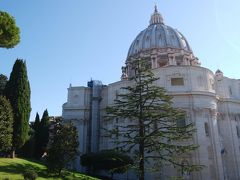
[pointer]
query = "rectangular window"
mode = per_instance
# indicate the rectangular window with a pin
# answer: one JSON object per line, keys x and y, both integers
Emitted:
{"x": 177, "y": 82}
{"x": 206, "y": 129}
{"x": 230, "y": 90}
{"x": 181, "y": 122}
{"x": 238, "y": 131}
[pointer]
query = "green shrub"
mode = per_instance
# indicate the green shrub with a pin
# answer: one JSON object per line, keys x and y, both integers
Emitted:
{"x": 30, "y": 174}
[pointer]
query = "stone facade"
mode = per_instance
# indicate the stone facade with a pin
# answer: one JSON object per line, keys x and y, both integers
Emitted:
{"x": 212, "y": 102}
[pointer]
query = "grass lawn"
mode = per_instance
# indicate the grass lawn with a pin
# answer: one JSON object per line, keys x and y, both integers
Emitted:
{"x": 12, "y": 169}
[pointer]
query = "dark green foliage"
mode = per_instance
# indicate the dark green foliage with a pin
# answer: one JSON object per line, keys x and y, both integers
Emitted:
{"x": 63, "y": 147}
{"x": 37, "y": 146}
{"x": 36, "y": 123}
{"x": 44, "y": 129}
{"x": 152, "y": 133}
{"x": 6, "y": 121}
{"x": 30, "y": 174}
{"x": 3, "y": 82}
{"x": 107, "y": 160}
{"x": 30, "y": 148}
{"x": 27, "y": 150}
{"x": 9, "y": 32}
{"x": 41, "y": 134}
{"x": 17, "y": 90}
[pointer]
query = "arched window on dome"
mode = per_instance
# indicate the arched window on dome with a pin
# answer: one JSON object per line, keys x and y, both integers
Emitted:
{"x": 184, "y": 43}
{"x": 147, "y": 38}
{"x": 147, "y": 42}
{"x": 137, "y": 42}
{"x": 160, "y": 37}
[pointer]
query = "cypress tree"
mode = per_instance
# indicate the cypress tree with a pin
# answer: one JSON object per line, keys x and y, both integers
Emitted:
{"x": 6, "y": 120}
{"x": 3, "y": 82}
{"x": 41, "y": 134}
{"x": 36, "y": 123}
{"x": 45, "y": 119}
{"x": 17, "y": 90}
{"x": 36, "y": 128}
{"x": 44, "y": 128}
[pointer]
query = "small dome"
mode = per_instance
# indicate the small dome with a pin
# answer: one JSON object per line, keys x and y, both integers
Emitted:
{"x": 218, "y": 71}
{"x": 158, "y": 35}
{"x": 219, "y": 75}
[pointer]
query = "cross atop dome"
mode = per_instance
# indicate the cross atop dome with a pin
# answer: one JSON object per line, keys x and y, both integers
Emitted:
{"x": 156, "y": 17}
{"x": 155, "y": 8}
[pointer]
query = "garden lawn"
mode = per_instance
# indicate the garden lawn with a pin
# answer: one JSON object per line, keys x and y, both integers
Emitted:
{"x": 12, "y": 169}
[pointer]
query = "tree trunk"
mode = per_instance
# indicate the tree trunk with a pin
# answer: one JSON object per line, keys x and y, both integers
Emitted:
{"x": 59, "y": 172}
{"x": 141, "y": 134}
{"x": 13, "y": 153}
{"x": 141, "y": 155}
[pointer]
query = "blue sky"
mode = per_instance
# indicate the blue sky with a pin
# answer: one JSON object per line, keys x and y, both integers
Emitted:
{"x": 73, "y": 41}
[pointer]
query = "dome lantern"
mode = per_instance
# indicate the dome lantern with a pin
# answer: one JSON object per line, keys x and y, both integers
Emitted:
{"x": 156, "y": 17}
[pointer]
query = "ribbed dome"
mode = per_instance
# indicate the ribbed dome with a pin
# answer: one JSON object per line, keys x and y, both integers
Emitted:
{"x": 158, "y": 35}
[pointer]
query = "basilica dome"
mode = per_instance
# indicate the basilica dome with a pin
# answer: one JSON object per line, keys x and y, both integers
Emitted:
{"x": 158, "y": 35}
{"x": 160, "y": 46}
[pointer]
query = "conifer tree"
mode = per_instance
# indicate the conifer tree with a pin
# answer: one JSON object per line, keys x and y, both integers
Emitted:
{"x": 6, "y": 120}
{"x": 9, "y": 32}
{"x": 36, "y": 123}
{"x": 63, "y": 147}
{"x": 41, "y": 134}
{"x": 36, "y": 128}
{"x": 17, "y": 90}
{"x": 3, "y": 82}
{"x": 152, "y": 133}
{"x": 44, "y": 129}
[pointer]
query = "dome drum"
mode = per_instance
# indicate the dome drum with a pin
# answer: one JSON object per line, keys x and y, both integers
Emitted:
{"x": 158, "y": 58}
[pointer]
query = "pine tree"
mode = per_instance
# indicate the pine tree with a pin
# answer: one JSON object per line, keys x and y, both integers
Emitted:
{"x": 152, "y": 132}
{"x": 3, "y": 82}
{"x": 17, "y": 90}
{"x": 6, "y": 120}
{"x": 63, "y": 147}
{"x": 9, "y": 32}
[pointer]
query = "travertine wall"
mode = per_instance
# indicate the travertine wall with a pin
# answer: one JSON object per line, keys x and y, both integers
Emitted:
{"x": 212, "y": 104}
